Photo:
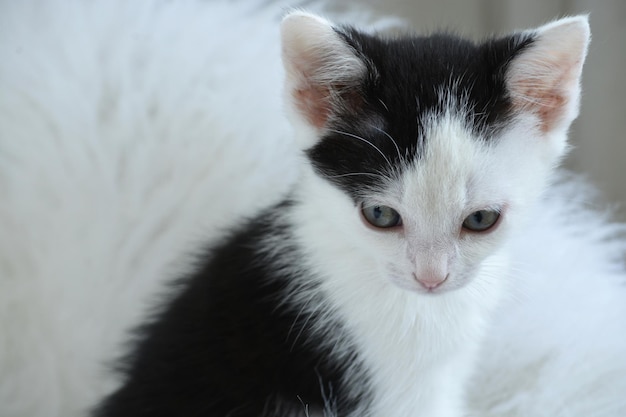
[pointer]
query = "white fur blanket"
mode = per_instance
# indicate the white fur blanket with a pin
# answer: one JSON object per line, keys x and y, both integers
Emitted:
{"x": 132, "y": 132}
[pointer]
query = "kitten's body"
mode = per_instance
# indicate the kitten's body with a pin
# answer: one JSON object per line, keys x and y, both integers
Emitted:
{"x": 125, "y": 142}
{"x": 308, "y": 308}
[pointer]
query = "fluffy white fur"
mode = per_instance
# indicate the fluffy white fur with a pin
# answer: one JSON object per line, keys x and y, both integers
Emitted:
{"x": 130, "y": 133}
{"x": 419, "y": 345}
{"x": 419, "y": 348}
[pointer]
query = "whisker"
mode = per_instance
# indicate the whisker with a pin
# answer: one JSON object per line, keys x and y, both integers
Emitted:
{"x": 384, "y": 105}
{"x": 364, "y": 140}
{"x": 370, "y": 174}
{"x": 391, "y": 139}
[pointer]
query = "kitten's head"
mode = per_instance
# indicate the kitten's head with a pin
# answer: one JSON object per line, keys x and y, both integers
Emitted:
{"x": 427, "y": 150}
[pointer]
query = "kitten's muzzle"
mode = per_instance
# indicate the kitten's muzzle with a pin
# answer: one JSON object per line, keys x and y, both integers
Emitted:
{"x": 430, "y": 281}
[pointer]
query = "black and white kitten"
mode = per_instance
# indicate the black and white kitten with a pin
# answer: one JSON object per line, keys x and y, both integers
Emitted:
{"x": 367, "y": 290}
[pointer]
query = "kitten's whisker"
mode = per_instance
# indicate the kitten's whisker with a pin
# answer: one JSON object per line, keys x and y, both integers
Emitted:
{"x": 391, "y": 139}
{"x": 364, "y": 140}
{"x": 384, "y": 105}
{"x": 370, "y": 174}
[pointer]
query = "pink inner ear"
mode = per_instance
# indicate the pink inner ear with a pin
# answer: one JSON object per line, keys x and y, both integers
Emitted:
{"x": 314, "y": 104}
{"x": 323, "y": 71}
{"x": 317, "y": 103}
{"x": 549, "y": 104}
{"x": 544, "y": 79}
{"x": 552, "y": 110}
{"x": 548, "y": 92}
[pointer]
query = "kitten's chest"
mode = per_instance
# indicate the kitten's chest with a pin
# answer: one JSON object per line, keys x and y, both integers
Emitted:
{"x": 413, "y": 348}
{"x": 395, "y": 326}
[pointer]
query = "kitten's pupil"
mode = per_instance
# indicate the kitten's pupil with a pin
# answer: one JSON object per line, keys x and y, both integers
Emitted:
{"x": 381, "y": 216}
{"x": 481, "y": 220}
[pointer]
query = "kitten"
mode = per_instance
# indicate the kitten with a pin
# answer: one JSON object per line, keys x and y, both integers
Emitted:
{"x": 366, "y": 291}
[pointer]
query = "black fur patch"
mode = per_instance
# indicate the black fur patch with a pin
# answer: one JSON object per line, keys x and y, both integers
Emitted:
{"x": 232, "y": 344}
{"x": 404, "y": 84}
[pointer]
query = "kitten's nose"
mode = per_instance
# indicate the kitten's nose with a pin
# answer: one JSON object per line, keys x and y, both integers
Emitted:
{"x": 431, "y": 281}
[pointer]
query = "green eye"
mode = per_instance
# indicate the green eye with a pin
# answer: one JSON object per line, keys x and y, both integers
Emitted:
{"x": 381, "y": 216}
{"x": 481, "y": 220}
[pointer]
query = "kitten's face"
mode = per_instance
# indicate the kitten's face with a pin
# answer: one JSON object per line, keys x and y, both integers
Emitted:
{"x": 432, "y": 223}
{"x": 436, "y": 144}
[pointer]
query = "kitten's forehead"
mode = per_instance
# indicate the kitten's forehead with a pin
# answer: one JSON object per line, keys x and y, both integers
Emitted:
{"x": 452, "y": 161}
{"x": 413, "y": 85}
{"x": 423, "y": 75}
{"x": 437, "y": 155}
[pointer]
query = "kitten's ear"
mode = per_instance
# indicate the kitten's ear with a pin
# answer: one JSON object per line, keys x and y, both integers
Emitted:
{"x": 545, "y": 77}
{"x": 324, "y": 73}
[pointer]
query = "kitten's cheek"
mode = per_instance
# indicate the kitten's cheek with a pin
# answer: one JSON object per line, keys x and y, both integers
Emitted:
{"x": 398, "y": 278}
{"x": 460, "y": 280}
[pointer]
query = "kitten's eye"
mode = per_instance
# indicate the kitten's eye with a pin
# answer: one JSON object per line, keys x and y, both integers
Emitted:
{"x": 381, "y": 216}
{"x": 481, "y": 220}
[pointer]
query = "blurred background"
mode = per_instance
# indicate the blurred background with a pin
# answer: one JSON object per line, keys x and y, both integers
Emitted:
{"x": 599, "y": 134}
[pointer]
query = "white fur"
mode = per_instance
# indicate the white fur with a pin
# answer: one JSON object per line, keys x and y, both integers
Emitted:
{"x": 125, "y": 128}
{"x": 419, "y": 349}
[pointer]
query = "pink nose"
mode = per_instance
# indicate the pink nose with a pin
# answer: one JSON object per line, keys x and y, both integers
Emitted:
{"x": 430, "y": 282}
